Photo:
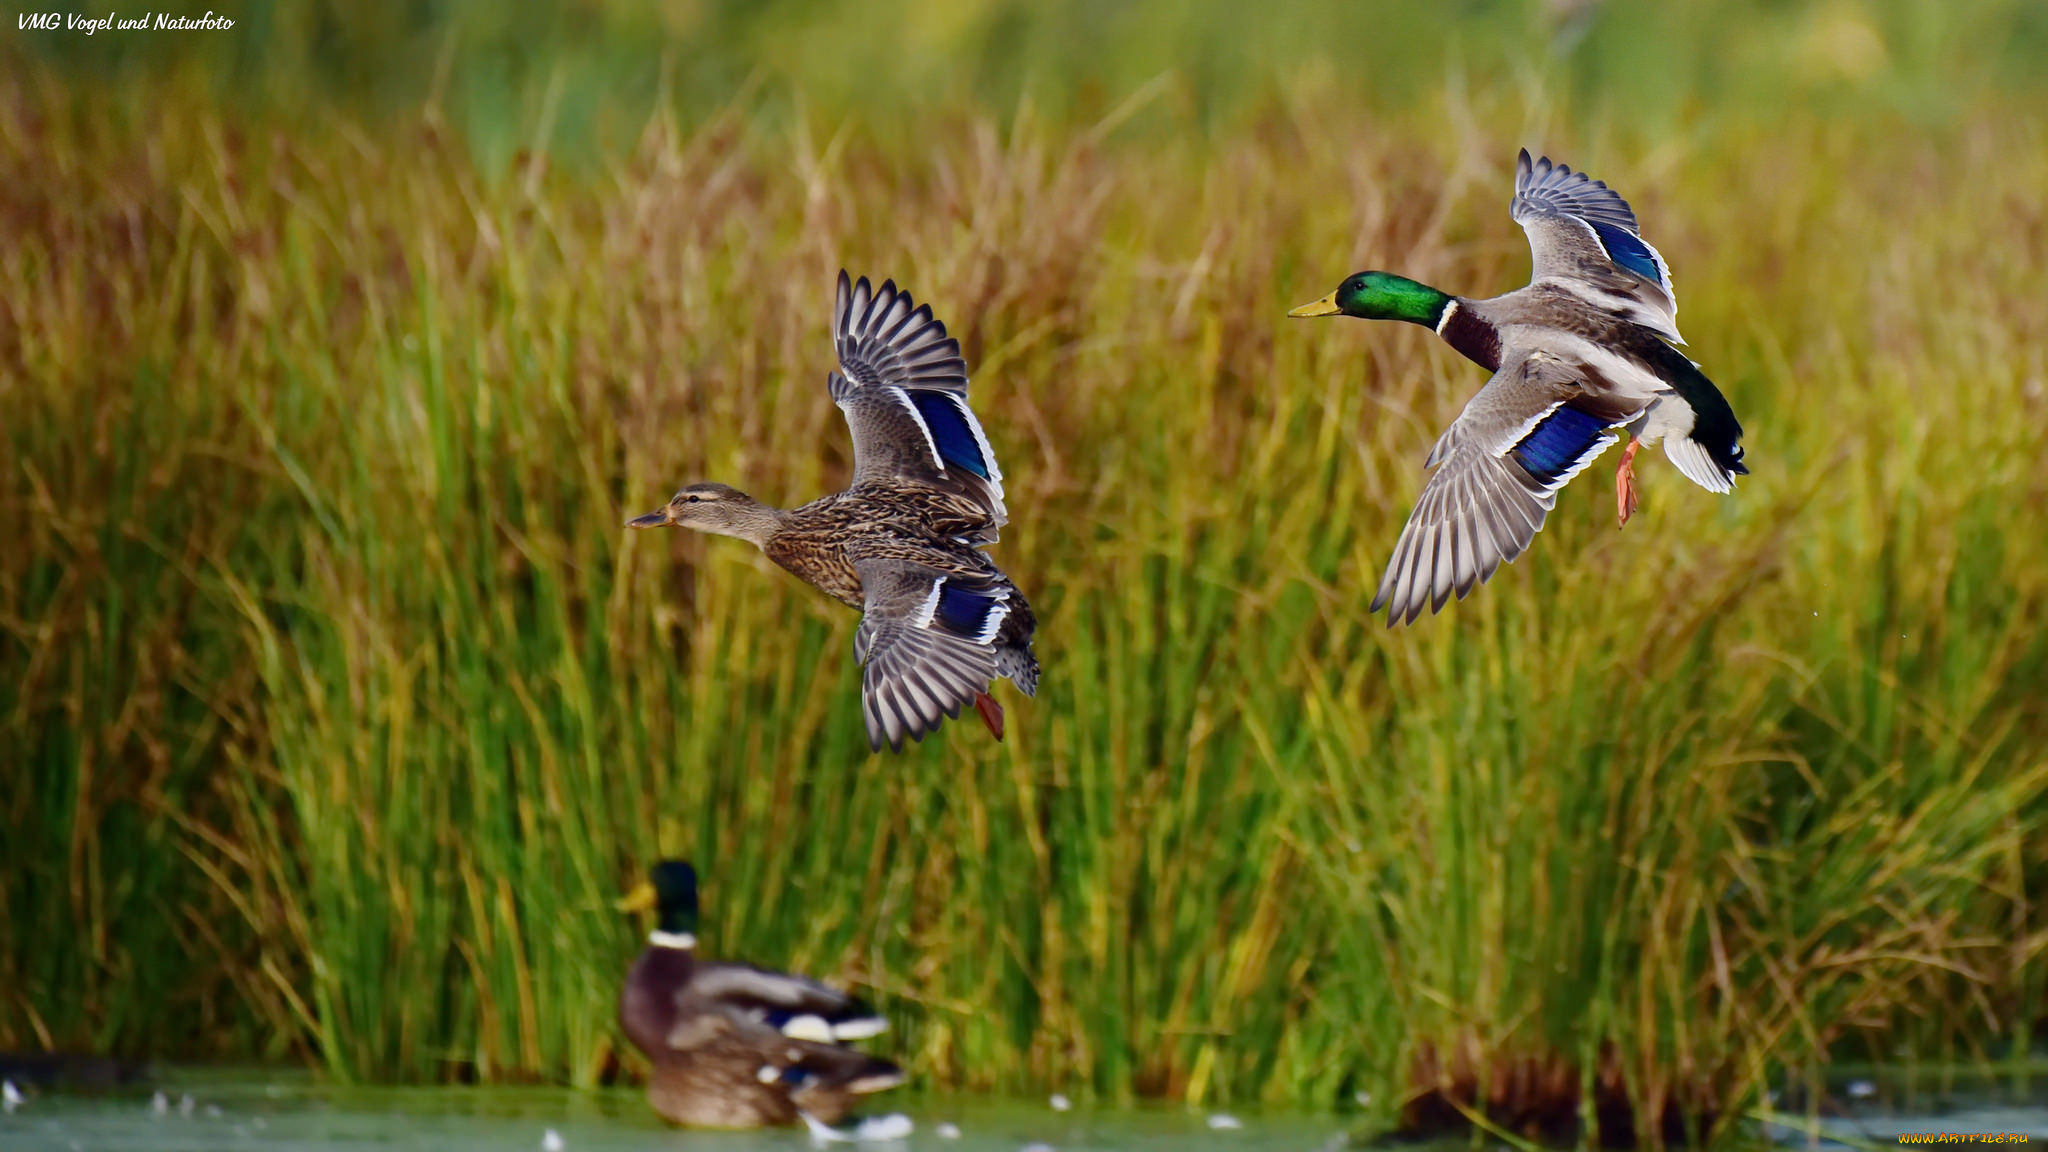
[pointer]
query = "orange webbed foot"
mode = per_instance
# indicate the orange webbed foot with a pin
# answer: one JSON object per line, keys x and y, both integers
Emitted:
{"x": 991, "y": 713}
{"x": 1625, "y": 483}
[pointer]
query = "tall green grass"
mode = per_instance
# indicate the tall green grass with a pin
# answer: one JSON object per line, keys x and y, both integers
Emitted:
{"x": 339, "y": 704}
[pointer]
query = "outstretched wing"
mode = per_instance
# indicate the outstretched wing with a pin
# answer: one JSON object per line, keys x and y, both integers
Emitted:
{"x": 1498, "y": 468}
{"x": 926, "y": 644}
{"x": 795, "y": 1006}
{"x": 903, "y": 387}
{"x": 1583, "y": 236}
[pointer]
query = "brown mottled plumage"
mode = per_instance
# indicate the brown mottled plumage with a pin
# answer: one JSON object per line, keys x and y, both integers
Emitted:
{"x": 903, "y": 542}
{"x": 714, "y": 1088}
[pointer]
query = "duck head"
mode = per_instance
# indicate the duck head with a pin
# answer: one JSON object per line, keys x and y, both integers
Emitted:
{"x": 715, "y": 508}
{"x": 1380, "y": 296}
{"x": 670, "y": 890}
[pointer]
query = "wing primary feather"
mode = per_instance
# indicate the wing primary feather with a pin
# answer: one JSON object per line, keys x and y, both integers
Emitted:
{"x": 871, "y": 317}
{"x": 1389, "y": 579}
{"x": 1443, "y": 565}
{"x": 1418, "y": 582}
{"x": 1467, "y": 551}
{"x": 873, "y": 716}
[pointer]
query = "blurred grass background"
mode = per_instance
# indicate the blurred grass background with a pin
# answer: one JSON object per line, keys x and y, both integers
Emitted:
{"x": 336, "y": 705}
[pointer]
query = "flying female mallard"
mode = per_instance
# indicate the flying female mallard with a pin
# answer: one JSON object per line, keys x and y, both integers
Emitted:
{"x": 903, "y": 543}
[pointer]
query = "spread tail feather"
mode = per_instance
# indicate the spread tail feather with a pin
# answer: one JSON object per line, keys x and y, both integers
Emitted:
{"x": 1020, "y": 667}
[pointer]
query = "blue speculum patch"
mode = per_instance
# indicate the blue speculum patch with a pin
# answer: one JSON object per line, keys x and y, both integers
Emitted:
{"x": 1559, "y": 442}
{"x": 951, "y": 432}
{"x": 1628, "y": 252}
{"x": 965, "y": 611}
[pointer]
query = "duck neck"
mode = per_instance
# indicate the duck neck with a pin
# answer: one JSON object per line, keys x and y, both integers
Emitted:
{"x": 1473, "y": 336}
{"x": 676, "y": 926}
{"x": 1399, "y": 298}
{"x": 749, "y": 520}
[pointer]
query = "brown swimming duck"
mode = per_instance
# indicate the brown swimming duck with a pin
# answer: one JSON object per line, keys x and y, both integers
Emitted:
{"x": 1580, "y": 356}
{"x": 732, "y": 1045}
{"x": 903, "y": 543}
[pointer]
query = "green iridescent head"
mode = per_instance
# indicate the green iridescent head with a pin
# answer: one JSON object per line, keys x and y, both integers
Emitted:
{"x": 1381, "y": 296}
{"x": 670, "y": 890}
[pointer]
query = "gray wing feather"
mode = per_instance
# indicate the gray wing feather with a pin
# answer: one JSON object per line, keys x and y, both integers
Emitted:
{"x": 1545, "y": 187}
{"x": 1475, "y": 514}
{"x": 756, "y": 999}
{"x": 1558, "y": 208}
{"x": 914, "y": 673}
{"x": 892, "y": 352}
{"x": 744, "y": 983}
{"x": 1529, "y": 386}
{"x": 885, "y": 339}
{"x": 1481, "y": 508}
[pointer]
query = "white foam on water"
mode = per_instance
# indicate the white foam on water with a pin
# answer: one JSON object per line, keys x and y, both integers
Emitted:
{"x": 876, "y": 1129}
{"x": 821, "y": 1132}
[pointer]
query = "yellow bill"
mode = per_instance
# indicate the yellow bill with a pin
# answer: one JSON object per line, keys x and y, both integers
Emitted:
{"x": 1327, "y": 306}
{"x": 640, "y": 899}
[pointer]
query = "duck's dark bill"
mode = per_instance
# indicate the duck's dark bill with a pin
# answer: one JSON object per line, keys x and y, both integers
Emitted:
{"x": 1327, "y": 306}
{"x": 654, "y": 519}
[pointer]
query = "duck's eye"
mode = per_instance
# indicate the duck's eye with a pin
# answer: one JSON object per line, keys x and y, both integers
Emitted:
{"x": 691, "y": 499}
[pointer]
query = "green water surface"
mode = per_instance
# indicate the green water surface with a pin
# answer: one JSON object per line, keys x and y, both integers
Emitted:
{"x": 291, "y": 1113}
{"x": 185, "y": 1111}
